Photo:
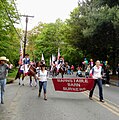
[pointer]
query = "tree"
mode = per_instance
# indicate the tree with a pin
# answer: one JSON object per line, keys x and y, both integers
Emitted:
{"x": 9, "y": 39}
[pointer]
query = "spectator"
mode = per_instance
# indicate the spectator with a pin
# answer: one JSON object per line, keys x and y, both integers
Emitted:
{"x": 3, "y": 74}
{"x": 118, "y": 73}
{"x": 107, "y": 73}
{"x": 72, "y": 69}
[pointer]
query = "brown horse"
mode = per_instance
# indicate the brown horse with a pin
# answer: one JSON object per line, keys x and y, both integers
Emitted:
{"x": 54, "y": 71}
{"x": 31, "y": 73}
{"x": 62, "y": 70}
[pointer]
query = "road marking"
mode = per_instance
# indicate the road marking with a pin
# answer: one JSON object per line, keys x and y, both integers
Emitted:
{"x": 107, "y": 104}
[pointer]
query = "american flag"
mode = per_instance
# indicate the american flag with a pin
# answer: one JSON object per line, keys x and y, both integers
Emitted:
{"x": 21, "y": 54}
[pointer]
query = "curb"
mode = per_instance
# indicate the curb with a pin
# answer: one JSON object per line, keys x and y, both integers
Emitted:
{"x": 115, "y": 83}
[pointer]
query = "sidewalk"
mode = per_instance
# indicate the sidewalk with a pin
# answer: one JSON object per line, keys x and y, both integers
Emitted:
{"x": 114, "y": 82}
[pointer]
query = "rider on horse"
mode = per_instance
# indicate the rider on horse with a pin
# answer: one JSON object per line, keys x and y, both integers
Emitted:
{"x": 26, "y": 63}
{"x": 24, "y": 67}
{"x": 60, "y": 62}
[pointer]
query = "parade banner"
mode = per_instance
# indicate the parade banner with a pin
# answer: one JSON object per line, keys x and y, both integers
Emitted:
{"x": 73, "y": 84}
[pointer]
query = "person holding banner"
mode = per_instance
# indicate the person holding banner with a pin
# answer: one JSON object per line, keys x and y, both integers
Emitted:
{"x": 96, "y": 73}
{"x": 42, "y": 77}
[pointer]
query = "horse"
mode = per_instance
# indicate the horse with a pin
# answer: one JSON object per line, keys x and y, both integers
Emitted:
{"x": 54, "y": 71}
{"x": 31, "y": 73}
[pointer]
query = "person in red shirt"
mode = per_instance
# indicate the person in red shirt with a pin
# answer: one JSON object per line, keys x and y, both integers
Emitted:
{"x": 72, "y": 69}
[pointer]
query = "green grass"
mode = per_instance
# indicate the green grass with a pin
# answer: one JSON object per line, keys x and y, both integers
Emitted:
{"x": 11, "y": 75}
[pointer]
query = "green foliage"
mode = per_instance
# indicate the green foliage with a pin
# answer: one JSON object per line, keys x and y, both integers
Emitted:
{"x": 9, "y": 39}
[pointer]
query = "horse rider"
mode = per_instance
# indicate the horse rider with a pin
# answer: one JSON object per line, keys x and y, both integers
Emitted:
{"x": 60, "y": 62}
{"x": 53, "y": 65}
{"x": 26, "y": 63}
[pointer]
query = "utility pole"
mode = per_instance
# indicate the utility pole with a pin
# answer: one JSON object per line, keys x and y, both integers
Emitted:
{"x": 25, "y": 36}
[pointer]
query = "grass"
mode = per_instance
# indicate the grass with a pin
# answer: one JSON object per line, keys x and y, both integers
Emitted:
{"x": 11, "y": 75}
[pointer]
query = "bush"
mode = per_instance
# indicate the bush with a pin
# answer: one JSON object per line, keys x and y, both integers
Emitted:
{"x": 11, "y": 75}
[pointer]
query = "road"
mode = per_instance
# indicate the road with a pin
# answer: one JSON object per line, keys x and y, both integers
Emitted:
{"x": 22, "y": 103}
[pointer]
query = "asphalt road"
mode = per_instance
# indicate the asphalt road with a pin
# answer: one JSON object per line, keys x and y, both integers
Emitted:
{"x": 22, "y": 103}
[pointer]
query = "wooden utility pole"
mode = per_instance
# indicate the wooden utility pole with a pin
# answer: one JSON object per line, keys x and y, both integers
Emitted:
{"x": 25, "y": 36}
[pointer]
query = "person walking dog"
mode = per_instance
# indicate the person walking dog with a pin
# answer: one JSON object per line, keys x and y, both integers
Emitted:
{"x": 96, "y": 73}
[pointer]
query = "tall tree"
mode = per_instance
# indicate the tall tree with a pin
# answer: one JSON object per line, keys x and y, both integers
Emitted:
{"x": 9, "y": 36}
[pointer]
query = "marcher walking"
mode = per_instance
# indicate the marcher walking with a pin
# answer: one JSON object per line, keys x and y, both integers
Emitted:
{"x": 107, "y": 72}
{"x": 42, "y": 77}
{"x": 3, "y": 73}
{"x": 96, "y": 74}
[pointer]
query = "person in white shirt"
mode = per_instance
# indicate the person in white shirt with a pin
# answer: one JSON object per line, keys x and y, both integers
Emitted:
{"x": 96, "y": 73}
{"x": 42, "y": 76}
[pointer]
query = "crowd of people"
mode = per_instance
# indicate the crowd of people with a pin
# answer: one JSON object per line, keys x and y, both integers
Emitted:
{"x": 41, "y": 73}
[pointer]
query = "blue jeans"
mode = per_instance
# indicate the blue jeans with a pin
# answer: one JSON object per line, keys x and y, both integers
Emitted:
{"x": 2, "y": 85}
{"x": 99, "y": 82}
{"x": 69, "y": 72}
{"x": 44, "y": 85}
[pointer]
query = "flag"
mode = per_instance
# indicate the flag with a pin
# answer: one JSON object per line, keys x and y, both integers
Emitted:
{"x": 53, "y": 58}
{"x": 50, "y": 61}
{"x": 21, "y": 54}
{"x": 21, "y": 49}
{"x": 42, "y": 59}
{"x": 58, "y": 56}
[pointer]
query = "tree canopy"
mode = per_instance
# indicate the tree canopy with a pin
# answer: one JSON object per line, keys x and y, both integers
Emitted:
{"x": 9, "y": 37}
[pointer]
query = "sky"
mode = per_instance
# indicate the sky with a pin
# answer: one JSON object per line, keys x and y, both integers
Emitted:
{"x": 45, "y": 11}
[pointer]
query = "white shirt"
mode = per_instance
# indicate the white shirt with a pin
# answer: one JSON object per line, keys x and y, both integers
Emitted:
{"x": 97, "y": 72}
{"x": 43, "y": 76}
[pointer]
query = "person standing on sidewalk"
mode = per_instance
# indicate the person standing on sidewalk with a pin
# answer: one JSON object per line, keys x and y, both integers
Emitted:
{"x": 3, "y": 73}
{"x": 118, "y": 73}
{"x": 87, "y": 71}
{"x": 96, "y": 73}
{"x": 107, "y": 71}
{"x": 72, "y": 69}
{"x": 42, "y": 76}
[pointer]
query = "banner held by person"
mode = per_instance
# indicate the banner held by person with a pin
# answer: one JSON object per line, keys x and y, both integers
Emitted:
{"x": 73, "y": 84}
